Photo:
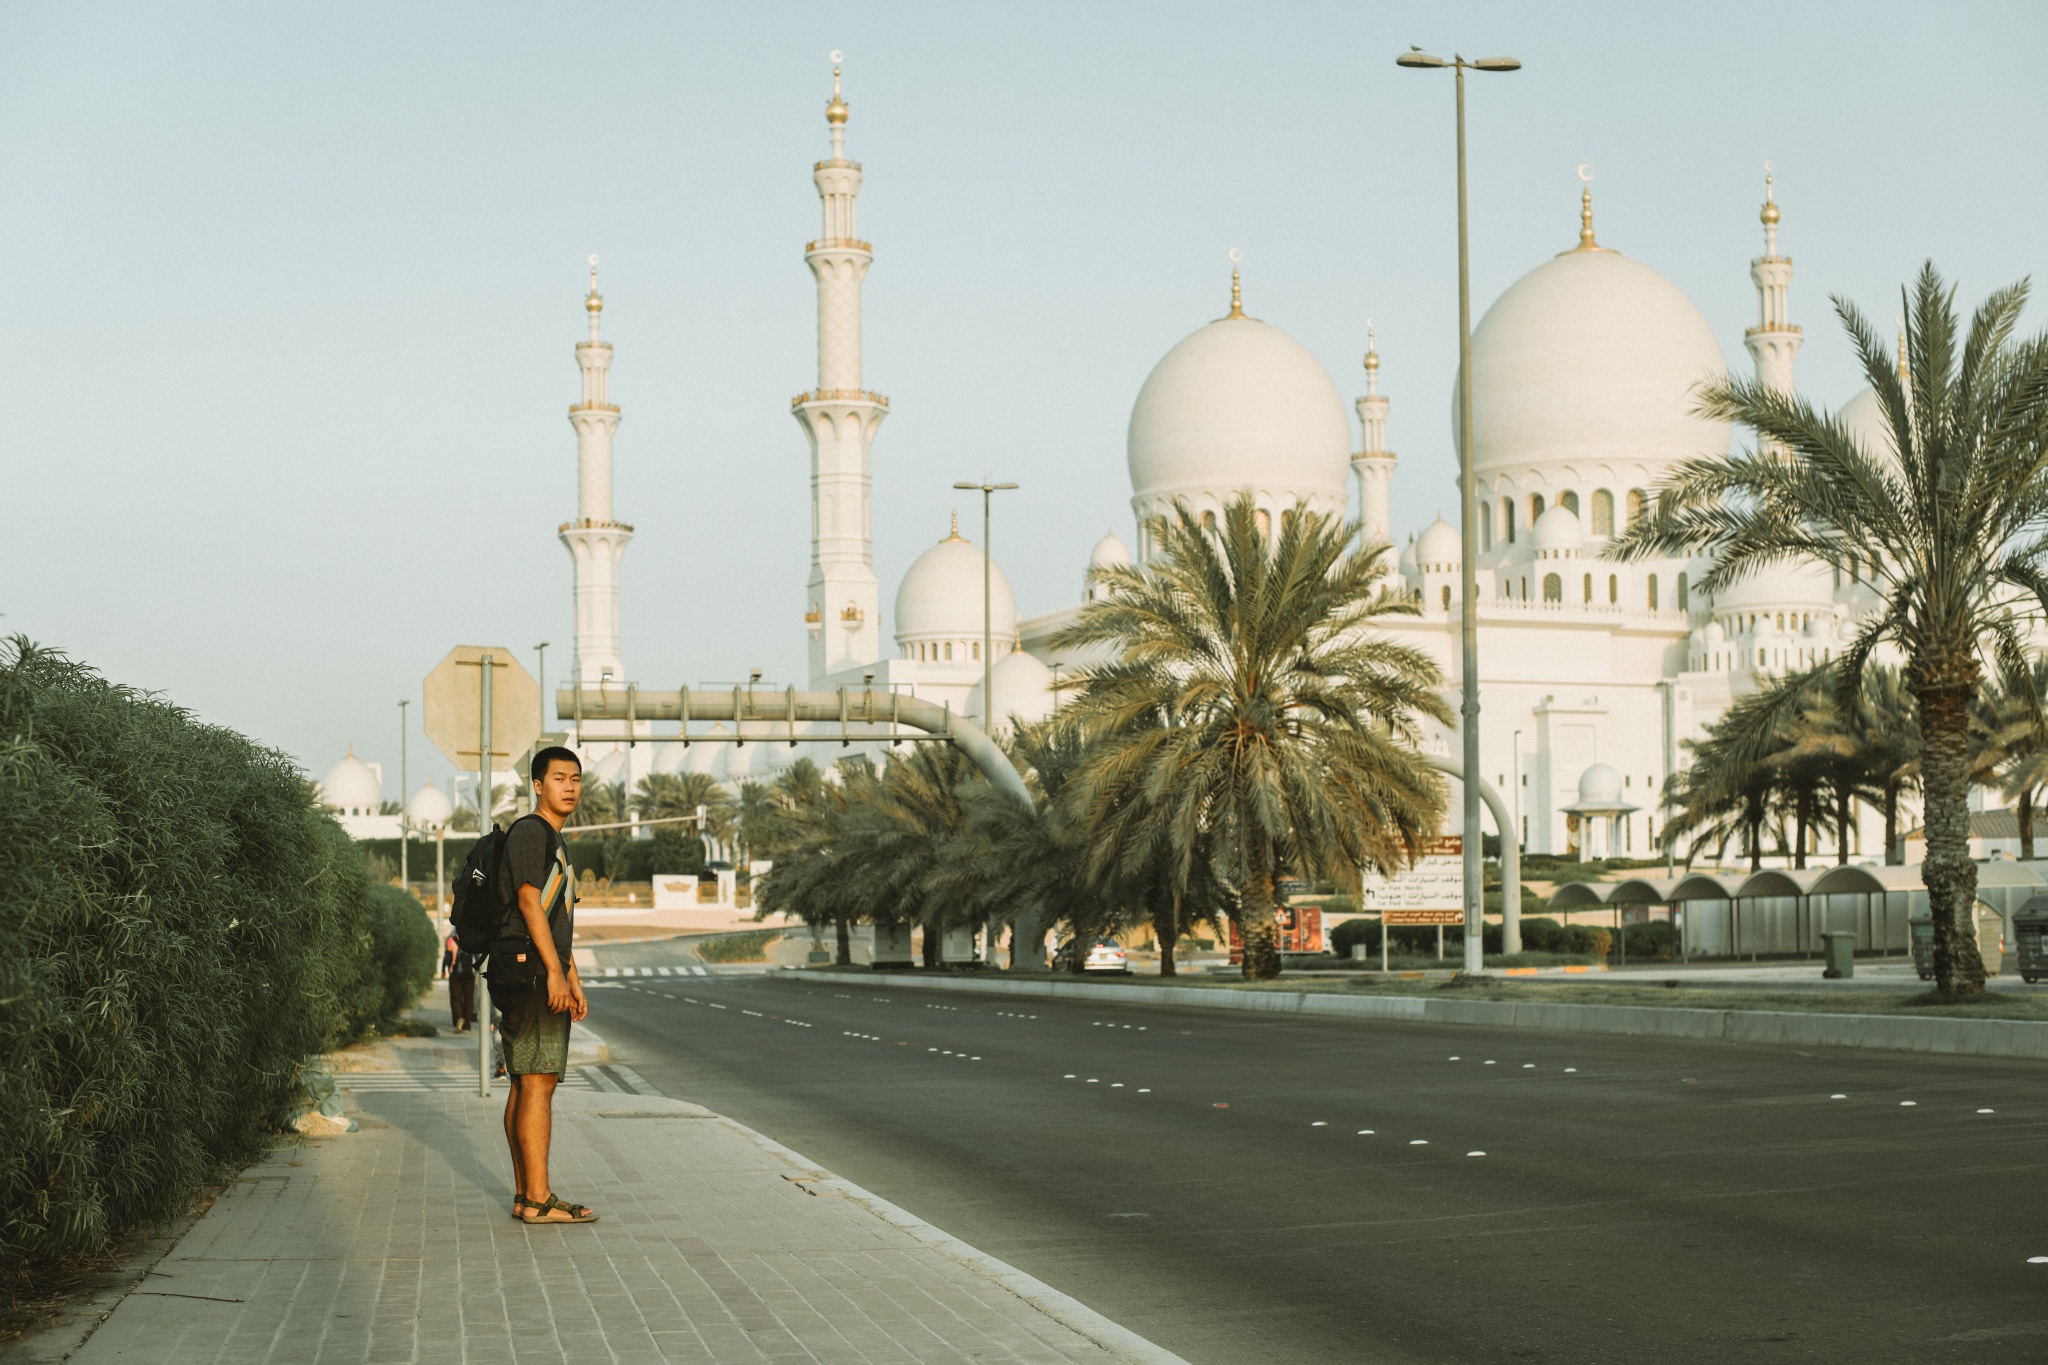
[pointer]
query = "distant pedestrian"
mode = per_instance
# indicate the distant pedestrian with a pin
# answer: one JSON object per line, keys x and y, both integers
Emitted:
{"x": 461, "y": 989}
{"x": 534, "y": 983}
{"x": 448, "y": 951}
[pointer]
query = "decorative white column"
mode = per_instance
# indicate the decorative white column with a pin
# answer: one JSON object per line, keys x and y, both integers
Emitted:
{"x": 595, "y": 541}
{"x": 1373, "y": 465}
{"x": 843, "y": 608}
{"x": 1774, "y": 342}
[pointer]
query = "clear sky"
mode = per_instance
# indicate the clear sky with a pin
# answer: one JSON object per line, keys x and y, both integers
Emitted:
{"x": 290, "y": 292}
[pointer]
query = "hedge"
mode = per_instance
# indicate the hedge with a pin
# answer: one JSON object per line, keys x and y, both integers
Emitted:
{"x": 185, "y": 929}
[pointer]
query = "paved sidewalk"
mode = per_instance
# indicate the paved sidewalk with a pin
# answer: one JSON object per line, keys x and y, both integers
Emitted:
{"x": 395, "y": 1243}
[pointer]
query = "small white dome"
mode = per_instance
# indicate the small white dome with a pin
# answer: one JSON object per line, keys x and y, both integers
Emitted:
{"x": 351, "y": 786}
{"x": 706, "y": 758}
{"x": 742, "y": 761}
{"x": 1023, "y": 691}
{"x": 1408, "y": 562}
{"x": 1239, "y": 405}
{"x": 1558, "y": 529}
{"x": 669, "y": 759}
{"x": 1599, "y": 785}
{"x": 1715, "y": 635}
{"x": 1110, "y": 552}
{"x": 940, "y": 597}
{"x": 1439, "y": 544}
{"x": 611, "y": 770}
{"x": 1864, "y": 416}
{"x": 429, "y": 808}
{"x": 1591, "y": 358}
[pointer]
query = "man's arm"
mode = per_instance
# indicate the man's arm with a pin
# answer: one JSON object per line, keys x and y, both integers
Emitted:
{"x": 560, "y": 998}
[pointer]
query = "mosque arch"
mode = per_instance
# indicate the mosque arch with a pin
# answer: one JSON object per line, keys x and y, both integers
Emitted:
{"x": 1569, "y": 500}
{"x": 1553, "y": 588}
{"x": 1684, "y": 595}
{"x": 1636, "y": 506}
{"x": 1485, "y": 526}
{"x": 1447, "y": 597}
{"x": 1507, "y": 519}
{"x": 1652, "y": 584}
{"x": 1613, "y": 590}
{"x": 1589, "y": 590}
{"x": 1535, "y": 507}
{"x": 1603, "y": 512}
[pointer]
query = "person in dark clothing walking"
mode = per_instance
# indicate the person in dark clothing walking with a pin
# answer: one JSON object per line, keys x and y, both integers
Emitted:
{"x": 461, "y": 987}
{"x": 534, "y": 1019}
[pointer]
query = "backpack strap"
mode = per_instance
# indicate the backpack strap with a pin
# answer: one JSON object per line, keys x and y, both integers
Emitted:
{"x": 514, "y": 924}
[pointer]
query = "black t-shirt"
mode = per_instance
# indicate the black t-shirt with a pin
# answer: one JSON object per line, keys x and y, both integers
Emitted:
{"x": 536, "y": 856}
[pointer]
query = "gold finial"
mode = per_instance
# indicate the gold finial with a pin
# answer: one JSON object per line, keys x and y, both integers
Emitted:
{"x": 1586, "y": 242}
{"x": 1236, "y": 293}
{"x": 1769, "y": 216}
{"x": 835, "y": 112}
{"x": 594, "y": 301}
{"x": 954, "y": 534}
{"x": 1372, "y": 355}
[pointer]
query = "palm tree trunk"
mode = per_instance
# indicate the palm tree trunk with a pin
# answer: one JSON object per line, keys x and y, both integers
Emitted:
{"x": 2026, "y": 824}
{"x": 843, "y": 932}
{"x": 1169, "y": 934}
{"x": 1805, "y": 825}
{"x": 1844, "y": 813}
{"x": 1756, "y": 837}
{"x": 1947, "y": 872}
{"x": 1261, "y": 934}
{"x": 933, "y": 937}
{"x": 1893, "y": 854}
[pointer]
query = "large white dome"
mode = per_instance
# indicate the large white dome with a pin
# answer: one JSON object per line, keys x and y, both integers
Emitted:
{"x": 1864, "y": 416}
{"x": 429, "y": 808}
{"x": 1238, "y": 405}
{"x": 1590, "y": 359}
{"x": 1023, "y": 691}
{"x": 352, "y": 787}
{"x": 940, "y": 597}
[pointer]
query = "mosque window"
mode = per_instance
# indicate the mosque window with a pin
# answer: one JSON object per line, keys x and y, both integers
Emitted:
{"x": 1485, "y": 527}
{"x": 1603, "y": 512}
{"x": 1535, "y": 507}
{"x": 949, "y": 651}
{"x": 1636, "y": 504}
{"x": 1613, "y": 590}
{"x": 1209, "y": 522}
{"x": 1589, "y": 589}
{"x": 1684, "y": 596}
{"x": 976, "y": 648}
{"x": 1653, "y": 592}
{"x": 1553, "y": 588}
{"x": 1507, "y": 519}
{"x": 1264, "y": 520}
{"x": 1447, "y": 597}
{"x": 1569, "y": 501}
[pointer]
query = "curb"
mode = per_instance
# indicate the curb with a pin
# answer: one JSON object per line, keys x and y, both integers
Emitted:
{"x": 1069, "y": 1312}
{"x": 1964, "y": 1037}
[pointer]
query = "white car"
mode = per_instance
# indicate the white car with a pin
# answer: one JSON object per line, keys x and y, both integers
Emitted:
{"x": 1106, "y": 956}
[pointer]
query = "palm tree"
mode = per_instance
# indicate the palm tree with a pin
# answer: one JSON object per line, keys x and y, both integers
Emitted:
{"x": 2013, "y": 734}
{"x": 674, "y": 796}
{"x": 813, "y": 876}
{"x": 1951, "y": 521}
{"x": 1251, "y": 716}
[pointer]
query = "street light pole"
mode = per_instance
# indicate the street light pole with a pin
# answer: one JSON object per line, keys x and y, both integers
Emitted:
{"x": 988, "y": 653}
{"x": 1468, "y": 529}
{"x": 404, "y": 817}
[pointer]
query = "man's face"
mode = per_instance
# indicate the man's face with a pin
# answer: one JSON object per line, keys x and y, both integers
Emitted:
{"x": 559, "y": 788}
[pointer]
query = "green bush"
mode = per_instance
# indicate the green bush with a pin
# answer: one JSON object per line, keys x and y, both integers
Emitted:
{"x": 184, "y": 928}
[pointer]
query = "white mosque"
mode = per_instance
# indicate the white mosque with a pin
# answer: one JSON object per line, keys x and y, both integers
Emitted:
{"x": 1583, "y": 377}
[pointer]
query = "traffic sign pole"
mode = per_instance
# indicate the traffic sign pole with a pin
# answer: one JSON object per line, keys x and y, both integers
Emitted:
{"x": 483, "y": 827}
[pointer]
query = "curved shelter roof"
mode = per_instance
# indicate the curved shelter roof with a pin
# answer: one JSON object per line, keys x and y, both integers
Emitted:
{"x": 1780, "y": 882}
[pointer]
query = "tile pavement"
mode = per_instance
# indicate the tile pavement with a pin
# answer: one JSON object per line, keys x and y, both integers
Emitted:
{"x": 395, "y": 1244}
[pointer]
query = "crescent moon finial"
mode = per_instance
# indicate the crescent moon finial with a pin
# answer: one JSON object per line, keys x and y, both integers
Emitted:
{"x": 1583, "y": 173}
{"x": 593, "y": 260}
{"x": 837, "y": 56}
{"x": 1236, "y": 255}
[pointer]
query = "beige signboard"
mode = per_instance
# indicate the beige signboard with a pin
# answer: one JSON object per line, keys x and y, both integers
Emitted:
{"x": 452, "y": 703}
{"x": 1433, "y": 888}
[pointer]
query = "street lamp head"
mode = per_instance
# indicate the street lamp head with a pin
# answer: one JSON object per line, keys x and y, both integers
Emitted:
{"x": 1417, "y": 58}
{"x": 966, "y": 485}
{"x": 1497, "y": 64}
{"x": 999, "y": 487}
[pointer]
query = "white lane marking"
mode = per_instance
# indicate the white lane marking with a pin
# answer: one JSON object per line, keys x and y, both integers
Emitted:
{"x": 1475, "y": 1154}
{"x": 2037, "y": 1260}
{"x": 1838, "y": 1097}
{"x": 1418, "y": 1142}
{"x": 1457, "y": 1059}
{"x": 611, "y": 971}
{"x": 1488, "y": 1063}
{"x": 1319, "y": 1124}
{"x": 1116, "y": 1085}
{"x": 1528, "y": 1066}
{"x": 1069, "y": 1076}
{"x": 1093, "y": 1081}
{"x": 666, "y": 971}
{"x": 1985, "y": 1111}
{"x": 1144, "y": 1090}
{"x": 1365, "y": 1132}
{"x": 1909, "y": 1104}
{"x": 1571, "y": 1068}
{"x": 974, "y": 1059}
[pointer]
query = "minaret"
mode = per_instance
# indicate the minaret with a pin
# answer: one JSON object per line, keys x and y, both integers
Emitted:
{"x": 1373, "y": 465}
{"x": 595, "y": 541}
{"x": 843, "y": 608}
{"x": 1774, "y": 342}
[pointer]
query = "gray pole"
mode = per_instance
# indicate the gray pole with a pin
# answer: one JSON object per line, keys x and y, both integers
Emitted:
{"x": 988, "y": 652}
{"x": 483, "y": 827}
{"x": 404, "y": 819}
{"x": 541, "y": 649}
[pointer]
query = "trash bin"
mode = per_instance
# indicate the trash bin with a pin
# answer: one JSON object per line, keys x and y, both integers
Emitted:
{"x": 2030, "y": 927}
{"x": 1922, "y": 925}
{"x": 1839, "y": 951}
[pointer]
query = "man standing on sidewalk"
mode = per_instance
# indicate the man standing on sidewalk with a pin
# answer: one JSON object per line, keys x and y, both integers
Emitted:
{"x": 537, "y": 1014}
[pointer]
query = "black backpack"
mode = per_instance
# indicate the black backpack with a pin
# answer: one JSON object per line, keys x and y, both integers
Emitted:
{"x": 483, "y": 895}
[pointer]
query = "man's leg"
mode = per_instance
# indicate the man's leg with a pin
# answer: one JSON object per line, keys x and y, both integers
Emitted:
{"x": 512, "y": 1133}
{"x": 535, "y": 1129}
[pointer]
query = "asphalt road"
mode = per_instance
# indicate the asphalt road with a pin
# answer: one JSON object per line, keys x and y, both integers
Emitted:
{"x": 1248, "y": 1189}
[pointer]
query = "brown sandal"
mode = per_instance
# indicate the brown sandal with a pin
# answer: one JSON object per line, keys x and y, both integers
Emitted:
{"x": 577, "y": 1213}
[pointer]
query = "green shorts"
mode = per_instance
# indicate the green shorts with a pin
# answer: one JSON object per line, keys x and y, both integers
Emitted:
{"x": 536, "y": 1038}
